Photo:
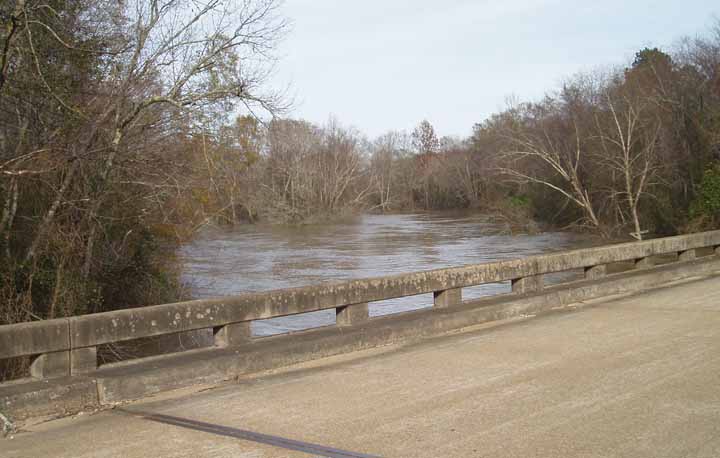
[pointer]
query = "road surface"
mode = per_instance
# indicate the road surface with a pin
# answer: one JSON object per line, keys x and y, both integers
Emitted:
{"x": 634, "y": 376}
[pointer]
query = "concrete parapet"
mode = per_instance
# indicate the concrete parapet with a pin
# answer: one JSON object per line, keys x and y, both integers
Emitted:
{"x": 644, "y": 263}
{"x": 68, "y": 347}
{"x": 121, "y": 325}
{"x": 27, "y": 339}
{"x": 64, "y": 363}
{"x": 595, "y": 272}
{"x": 232, "y": 334}
{"x": 144, "y": 378}
{"x": 58, "y": 396}
{"x": 351, "y": 314}
{"x": 531, "y": 284}
{"x": 83, "y": 360}
{"x": 687, "y": 255}
{"x": 138, "y": 378}
{"x": 48, "y": 365}
{"x": 447, "y": 298}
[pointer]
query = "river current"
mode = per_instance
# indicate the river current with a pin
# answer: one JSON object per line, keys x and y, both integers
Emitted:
{"x": 227, "y": 261}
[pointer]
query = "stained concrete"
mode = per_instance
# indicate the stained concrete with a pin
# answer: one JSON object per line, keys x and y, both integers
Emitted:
{"x": 129, "y": 324}
{"x": 633, "y": 376}
{"x": 136, "y": 379}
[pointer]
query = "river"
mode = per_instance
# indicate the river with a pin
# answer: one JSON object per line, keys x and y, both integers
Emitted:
{"x": 227, "y": 261}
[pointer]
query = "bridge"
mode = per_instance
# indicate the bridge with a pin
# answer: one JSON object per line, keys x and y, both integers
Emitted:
{"x": 623, "y": 361}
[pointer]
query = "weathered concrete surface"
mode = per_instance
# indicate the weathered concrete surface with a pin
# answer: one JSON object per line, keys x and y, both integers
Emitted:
{"x": 86, "y": 331}
{"x": 628, "y": 377}
{"x": 59, "y": 396}
{"x": 33, "y": 338}
{"x": 116, "y": 326}
{"x": 140, "y": 378}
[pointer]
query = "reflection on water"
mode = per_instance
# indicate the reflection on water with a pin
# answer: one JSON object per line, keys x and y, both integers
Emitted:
{"x": 223, "y": 262}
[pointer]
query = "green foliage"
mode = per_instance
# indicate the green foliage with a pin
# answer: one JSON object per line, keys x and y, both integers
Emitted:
{"x": 651, "y": 56}
{"x": 707, "y": 202}
{"x": 518, "y": 202}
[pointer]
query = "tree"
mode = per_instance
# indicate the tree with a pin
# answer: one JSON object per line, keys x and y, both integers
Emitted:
{"x": 92, "y": 94}
{"x": 386, "y": 175}
{"x": 546, "y": 138}
{"x": 629, "y": 144}
{"x": 424, "y": 139}
{"x": 426, "y": 145}
{"x": 651, "y": 57}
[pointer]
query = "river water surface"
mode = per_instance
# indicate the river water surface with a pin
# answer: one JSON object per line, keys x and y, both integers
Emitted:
{"x": 222, "y": 262}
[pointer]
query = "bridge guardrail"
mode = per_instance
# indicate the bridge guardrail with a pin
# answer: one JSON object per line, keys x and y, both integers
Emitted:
{"x": 68, "y": 346}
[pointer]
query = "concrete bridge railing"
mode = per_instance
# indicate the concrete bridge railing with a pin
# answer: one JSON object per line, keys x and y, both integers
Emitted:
{"x": 66, "y": 347}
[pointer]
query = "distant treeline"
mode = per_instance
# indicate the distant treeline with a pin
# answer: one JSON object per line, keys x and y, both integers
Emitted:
{"x": 115, "y": 141}
{"x": 623, "y": 152}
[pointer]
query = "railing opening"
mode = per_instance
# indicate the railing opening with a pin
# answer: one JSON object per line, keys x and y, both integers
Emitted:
{"x": 488, "y": 289}
{"x": 15, "y": 368}
{"x": 293, "y": 323}
{"x": 400, "y": 305}
{"x": 154, "y": 346}
{"x": 666, "y": 258}
{"x": 619, "y": 267}
{"x": 558, "y": 278}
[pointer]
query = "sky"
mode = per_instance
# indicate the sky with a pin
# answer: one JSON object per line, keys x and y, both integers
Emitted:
{"x": 380, "y": 65}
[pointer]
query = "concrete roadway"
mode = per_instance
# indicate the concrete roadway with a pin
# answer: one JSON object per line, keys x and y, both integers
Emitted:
{"x": 635, "y": 376}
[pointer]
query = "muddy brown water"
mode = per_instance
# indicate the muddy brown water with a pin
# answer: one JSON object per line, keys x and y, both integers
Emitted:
{"x": 228, "y": 261}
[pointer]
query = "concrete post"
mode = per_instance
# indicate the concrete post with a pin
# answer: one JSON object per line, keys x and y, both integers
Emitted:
{"x": 351, "y": 314}
{"x": 595, "y": 272}
{"x": 447, "y": 297}
{"x": 232, "y": 334}
{"x": 83, "y": 360}
{"x": 687, "y": 255}
{"x": 47, "y": 365}
{"x": 531, "y": 284}
{"x": 644, "y": 263}
{"x": 64, "y": 363}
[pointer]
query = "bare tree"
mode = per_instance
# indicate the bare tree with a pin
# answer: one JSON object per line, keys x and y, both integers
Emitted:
{"x": 563, "y": 157}
{"x": 94, "y": 96}
{"x": 291, "y": 144}
{"x": 180, "y": 56}
{"x": 629, "y": 142}
{"x": 466, "y": 168}
{"x": 385, "y": 169}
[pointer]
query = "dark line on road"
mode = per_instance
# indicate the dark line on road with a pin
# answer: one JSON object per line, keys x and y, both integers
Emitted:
{"x": 267, "y": 439}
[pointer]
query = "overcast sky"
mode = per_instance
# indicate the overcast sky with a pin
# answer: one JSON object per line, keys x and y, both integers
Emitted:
{"x": 387, "y": 64}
